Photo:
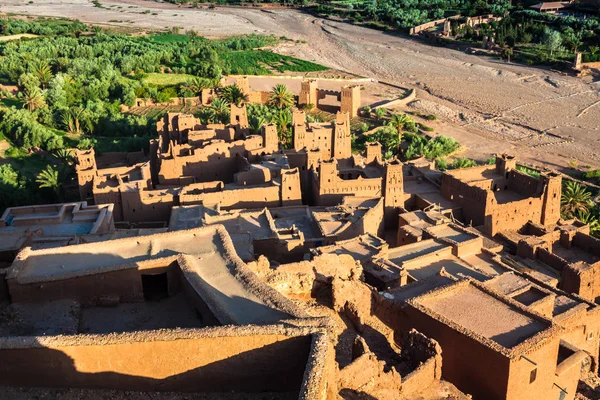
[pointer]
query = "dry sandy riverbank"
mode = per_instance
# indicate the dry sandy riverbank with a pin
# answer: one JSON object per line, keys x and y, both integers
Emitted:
{"x": 493, "y": 106}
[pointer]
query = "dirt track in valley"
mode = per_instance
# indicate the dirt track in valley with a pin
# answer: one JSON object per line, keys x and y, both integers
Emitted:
{"x": 492, "y": 106}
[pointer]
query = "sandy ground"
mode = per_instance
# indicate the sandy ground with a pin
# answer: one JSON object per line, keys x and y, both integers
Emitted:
{"x": 492, "y": 106}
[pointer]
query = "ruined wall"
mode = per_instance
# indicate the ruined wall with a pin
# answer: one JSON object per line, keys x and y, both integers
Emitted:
{"x": 427, "y": 354}
{"x": 245, "y": 364}
{"x": 145, "y": 206}
{"x": 582, "y": 279}
{"x": 582, "y": 330}
{"x": 512, "y": 215}
{"x": 587, "y": 243}
{"x": 472, "y": 199}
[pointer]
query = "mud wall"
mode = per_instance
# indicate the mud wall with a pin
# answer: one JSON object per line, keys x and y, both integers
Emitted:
{"x": 256, "y": 363}
{"x": 471, "y": 366}
{"x": 125, "y": 285}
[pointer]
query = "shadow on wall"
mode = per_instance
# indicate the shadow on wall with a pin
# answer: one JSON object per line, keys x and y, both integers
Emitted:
{"x": 276, "y": 367}
{"x": 349, "y": 394}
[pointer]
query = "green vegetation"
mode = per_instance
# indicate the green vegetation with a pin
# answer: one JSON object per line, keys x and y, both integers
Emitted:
{"x": 394, "y": 14}
{"x": 420, "y": 146}
{"x": 259, "y": 114}
{"x": 262, "y": 62}
{"x": 528, "y": 171}
{"x": 576, "y": 202}
{"x": 159, "y": 79}
{"x": 536, "y": 38}
{"x": 73, "y": 80}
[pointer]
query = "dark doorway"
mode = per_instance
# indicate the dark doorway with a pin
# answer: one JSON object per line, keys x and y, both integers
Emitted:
{"x": 156, "y": 287}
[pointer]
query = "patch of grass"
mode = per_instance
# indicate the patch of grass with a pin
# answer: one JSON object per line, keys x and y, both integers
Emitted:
{"x": 169, "y": 38}
{"x": 167, "y": 79}
{"x": 528, "y": 171}
{"x": 262, "y": 62}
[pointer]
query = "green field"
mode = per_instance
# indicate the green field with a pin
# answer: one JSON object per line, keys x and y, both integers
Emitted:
{"x": 262, "y": 62}
{"x": 167, "y": 79}
{"x": 169, "y": 38}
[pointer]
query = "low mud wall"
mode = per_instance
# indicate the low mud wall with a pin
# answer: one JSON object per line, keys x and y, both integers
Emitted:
{"x": 160, "y": 361}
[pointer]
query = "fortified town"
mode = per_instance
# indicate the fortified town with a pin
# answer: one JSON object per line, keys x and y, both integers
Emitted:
{"x": 220, "y": 262}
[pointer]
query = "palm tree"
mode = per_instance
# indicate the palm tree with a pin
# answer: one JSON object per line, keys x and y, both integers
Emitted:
{"x": 34, "y": 99}
{"x": 234, "y": 95}
{"x": 575, "y": 199}
{"x": 219, "y": 110}
{"x": 41, "y": 69}
{"x": 591, "y": 220}
{"x": 65, "y": 155}
{"x": 283, "y": 120}
{"x": 196, "y": 84}
{"x": 256, "y": 123}
{"x": 281, "y": 97}
{"x": 398, "y": 122}
{"x": 74, "y": 118}
{"x": 49, "y": 178}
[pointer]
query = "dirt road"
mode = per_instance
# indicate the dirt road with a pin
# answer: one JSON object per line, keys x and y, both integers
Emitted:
{"x": 541, "y": 115}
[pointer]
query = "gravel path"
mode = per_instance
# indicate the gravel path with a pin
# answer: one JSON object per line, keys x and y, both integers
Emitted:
{"x": 497, "y": 106}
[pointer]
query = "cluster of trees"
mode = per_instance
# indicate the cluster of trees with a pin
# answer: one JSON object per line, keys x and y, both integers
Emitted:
{"x": 529, "y": 31}
{"x": 43, "y": 27}
{"x": 76, "y": 83}
{"x": 407, "y": 14}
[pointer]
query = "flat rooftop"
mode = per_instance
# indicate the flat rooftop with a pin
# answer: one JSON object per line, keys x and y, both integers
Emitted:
{"x": 449, "y": 232}
{"x": 362, "y": 248}
{"x": 475, "y": 310}
{"x": 399, "y": 255}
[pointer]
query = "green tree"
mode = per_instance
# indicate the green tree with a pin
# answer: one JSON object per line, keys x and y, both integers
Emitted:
{"x": 49, "y": 178}
{"x": 219, "y": 111}
{"x": 283, "y": 120}
{"x": 399, "y": 122}
{"x": 281, "y": 97}
{"x": 380, "y": 113}
{"x": 256, "y": 123}
{"x": 591, "y": 220}
{"x": 575, "y": 199}
{"x": 463, "y": 163}
{"x": 233, "y": 94}
{"x": 41, "y": 69}
{"x": 33, "y": 99}
{"x": 552, "y": 40}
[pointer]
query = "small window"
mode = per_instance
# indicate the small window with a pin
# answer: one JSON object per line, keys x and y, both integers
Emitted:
{"x": 533, "y": 375}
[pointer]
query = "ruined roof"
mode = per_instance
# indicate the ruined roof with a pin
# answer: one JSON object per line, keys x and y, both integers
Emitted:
{"x": 206, "y": 257}
{"x": 495, "y": 320}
